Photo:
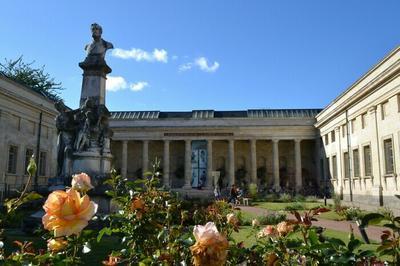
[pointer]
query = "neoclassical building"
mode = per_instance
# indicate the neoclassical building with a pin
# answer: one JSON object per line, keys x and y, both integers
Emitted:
{"x": 361, "y": 136}
{"x": 276, "y": 149}
{"x": 22, "y": 113}
{"x": 279, "y": 150}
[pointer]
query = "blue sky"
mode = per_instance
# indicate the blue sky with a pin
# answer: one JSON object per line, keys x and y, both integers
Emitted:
{"x": 222, "y": 55}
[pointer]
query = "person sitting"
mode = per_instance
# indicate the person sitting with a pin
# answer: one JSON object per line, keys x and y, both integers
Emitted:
{"x": 217, "y": 193}
{"x": 233, "y": 194}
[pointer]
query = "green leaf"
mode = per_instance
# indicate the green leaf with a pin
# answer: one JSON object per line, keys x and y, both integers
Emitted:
{"x": 335, "y": 242}
{"x": 371, "y": 218}
{"x": 313, "y": 237}
{"x": 103, "y": 231}
{"x": 353, "y": 244}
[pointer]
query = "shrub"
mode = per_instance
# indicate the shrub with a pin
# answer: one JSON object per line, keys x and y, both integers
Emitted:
{"x": 271, "y": 197}
{"x": 299, "y": 198}
{"x": 386, "y": 212}
{"x": 253, "y": 190}
{"x": 337, "y": 202}
{"x": 285, "y": 197}
{"x": 311, "y": 199}
{"x": 272, "y": 218}
{"x": 242, "y": 219}
{"x": 350, "y": 213}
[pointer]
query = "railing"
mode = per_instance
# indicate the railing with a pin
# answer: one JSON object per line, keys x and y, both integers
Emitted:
{"x": 11, "y": 185}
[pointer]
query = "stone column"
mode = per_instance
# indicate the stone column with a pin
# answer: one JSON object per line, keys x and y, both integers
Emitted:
{"x": 275, "y": 155}
{"x": 297, "y": 154}
{"x": 375, "y": 156}
{"x": 253, "y": 159}
{"x": 317, "y": 158}
{"x": 124, "y": 159}
{"x": 145, "y": 156}
{"x": 231, "y": 161}
{"x": 188, "y": 164}
{"x": 209, "y": 163}
{"x": 340, "y": 173}
{"x": 166, "y": 164}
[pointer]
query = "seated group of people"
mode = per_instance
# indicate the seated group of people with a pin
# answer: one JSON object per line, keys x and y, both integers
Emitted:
{"x": 235, "y": 194}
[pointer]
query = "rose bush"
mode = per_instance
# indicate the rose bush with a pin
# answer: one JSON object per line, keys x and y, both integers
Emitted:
{"x": 155, "y": 227}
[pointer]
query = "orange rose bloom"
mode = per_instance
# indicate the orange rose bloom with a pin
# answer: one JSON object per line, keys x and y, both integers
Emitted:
{"x": 232, "y": 219}
{"x": 284, "y": 228}
{"x": 67, "y": 212}
{"x": 269, "y": 230}
{"x": 137, "y": 204}
{"x": 81, "y": 182}
{"x": 57, "y": 245}
{"x": 210, "y": 248}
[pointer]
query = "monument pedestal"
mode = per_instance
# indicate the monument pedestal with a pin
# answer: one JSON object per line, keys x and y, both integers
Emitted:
{"x": 92, "y": 163}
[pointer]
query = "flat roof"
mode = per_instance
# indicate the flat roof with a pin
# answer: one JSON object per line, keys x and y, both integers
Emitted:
{"x": 210, "y": 114}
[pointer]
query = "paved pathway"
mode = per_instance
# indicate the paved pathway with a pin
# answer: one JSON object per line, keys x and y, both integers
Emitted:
{"x": 373, "y": 232}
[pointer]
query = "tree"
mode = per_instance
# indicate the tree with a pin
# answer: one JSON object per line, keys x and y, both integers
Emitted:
{"x": 34, "y": 78}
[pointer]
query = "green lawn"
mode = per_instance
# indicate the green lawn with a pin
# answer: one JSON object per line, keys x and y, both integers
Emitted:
{"x": 247, "y": 235}
{"x": 280, "y": 206}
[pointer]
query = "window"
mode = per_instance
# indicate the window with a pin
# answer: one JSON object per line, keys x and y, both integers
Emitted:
{"x": 42, "y": 163}
{"x": 384, "y": 110}
{"x": 12, "y": 159}
{"x": 28, "y": 156}
{"x": 334, "y": 167}
{"x": 328, "y": 170}
{"x": 333, "y": 137}
{"x": 388, "y": 149}
{"x": 356, "y": 163}
{"x": 326, "y": 139}
{"x": 321, "y": 165}
{"x": 346, "y": 165}
{"x": 363, "y": 120}
{"x": 398, "y": 103}
{"x": 353, "y": 126}
{"x": 367, "y": 161}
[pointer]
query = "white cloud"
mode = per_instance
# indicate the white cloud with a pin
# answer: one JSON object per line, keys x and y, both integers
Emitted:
{"x": 116, "y": 83}
{"x": 138, "y": 86}
{"x": 202, "y": 63}
{"x": 185, "y": 67}
{"x": 158, "y": 55}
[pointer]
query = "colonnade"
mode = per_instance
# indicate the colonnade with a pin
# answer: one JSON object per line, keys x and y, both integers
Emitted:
{"x": 231, "y": 161}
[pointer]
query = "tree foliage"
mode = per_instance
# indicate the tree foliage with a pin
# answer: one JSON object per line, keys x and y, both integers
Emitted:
{"x": 34, "y": 78}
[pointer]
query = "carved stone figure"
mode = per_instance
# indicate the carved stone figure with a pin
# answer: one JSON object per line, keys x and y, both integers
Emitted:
{"x": 66, "y": 135}
{"x": 97, "y": 49}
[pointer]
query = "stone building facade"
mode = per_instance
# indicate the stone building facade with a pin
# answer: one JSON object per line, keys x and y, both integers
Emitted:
{"x": 361, "y": 136}
{"x": 20, "y": 109}
{"x": 276, "y": 149}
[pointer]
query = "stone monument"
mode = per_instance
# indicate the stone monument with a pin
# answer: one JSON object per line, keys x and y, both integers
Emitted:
{"x": 83, "y": 134}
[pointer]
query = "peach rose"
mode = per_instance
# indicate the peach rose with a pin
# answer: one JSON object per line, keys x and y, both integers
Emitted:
{"x": 112, "y": 260}
{"x": 210, "y": 247}
{"x": 67, "y": 212}
{"x": 269, "y": 230}
{"x": 57, "y": 245}
{"x": 137, "y": 204}
{"x": 232, "y": 219}
{"x": 284, "y": 228}
{"x": 81, "y": 182}
{"x": 255, "y": 223}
